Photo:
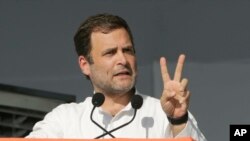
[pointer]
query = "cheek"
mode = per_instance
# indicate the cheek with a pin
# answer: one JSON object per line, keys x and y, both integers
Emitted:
{"x": 133, "y": 64}
{"x": 105, "y": 67}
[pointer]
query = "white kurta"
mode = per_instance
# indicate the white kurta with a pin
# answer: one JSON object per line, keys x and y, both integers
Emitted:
{"x": 73, "y": 121}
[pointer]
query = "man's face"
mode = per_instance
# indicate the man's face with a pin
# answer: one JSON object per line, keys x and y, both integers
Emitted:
{"x": 114, "y": 69}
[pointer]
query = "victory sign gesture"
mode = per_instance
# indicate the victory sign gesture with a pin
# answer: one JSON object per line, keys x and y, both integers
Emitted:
{"x": 175, "y": 96}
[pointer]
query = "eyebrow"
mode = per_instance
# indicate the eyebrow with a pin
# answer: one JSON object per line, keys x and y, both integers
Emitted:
{"x": 109, "y": 50}
{"x": 115, "y": 48}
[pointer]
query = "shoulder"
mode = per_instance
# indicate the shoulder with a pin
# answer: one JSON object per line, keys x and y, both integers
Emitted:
{"x": 71, "y": 108}
{"x": 150, "y": 103}
{"x": 152, "y": 108}
{"x": 148, "y": 99}
{"x": 57, "y": 122}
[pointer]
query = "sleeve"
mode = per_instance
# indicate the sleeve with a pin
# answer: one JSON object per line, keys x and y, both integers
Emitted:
{"x": 51, "y": 126}
{"x": 191, "y": 130}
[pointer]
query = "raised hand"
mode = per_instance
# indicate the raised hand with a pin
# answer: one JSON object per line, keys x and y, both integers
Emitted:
{"x": 175, "y": 96}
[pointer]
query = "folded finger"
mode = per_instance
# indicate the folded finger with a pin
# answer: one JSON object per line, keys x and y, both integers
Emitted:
{"x": 184, "y": 84}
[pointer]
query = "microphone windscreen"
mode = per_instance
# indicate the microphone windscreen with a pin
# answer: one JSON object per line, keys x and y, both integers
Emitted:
{"x": 98, "y": 99}
{"x": 136, "y": 101}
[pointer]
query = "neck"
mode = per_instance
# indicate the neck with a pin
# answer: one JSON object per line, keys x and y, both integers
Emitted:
{"x": 116, "y": 102}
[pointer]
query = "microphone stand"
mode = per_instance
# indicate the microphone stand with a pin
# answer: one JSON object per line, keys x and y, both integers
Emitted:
{"x": 109, "y": 132}
{"x": 91, "y": 117}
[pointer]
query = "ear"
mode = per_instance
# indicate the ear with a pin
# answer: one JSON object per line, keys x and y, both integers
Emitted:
{"x": 84, "y": 65}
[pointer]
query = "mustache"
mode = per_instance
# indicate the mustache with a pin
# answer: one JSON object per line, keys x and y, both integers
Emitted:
{"x": 123, "y": 70}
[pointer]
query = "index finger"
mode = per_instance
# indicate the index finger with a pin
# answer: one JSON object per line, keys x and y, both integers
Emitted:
{"x": 164, "y": 70}
{"x": 179, "y": 67}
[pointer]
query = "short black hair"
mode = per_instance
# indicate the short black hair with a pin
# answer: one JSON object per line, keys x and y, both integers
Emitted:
{"x": 100, "y": 22}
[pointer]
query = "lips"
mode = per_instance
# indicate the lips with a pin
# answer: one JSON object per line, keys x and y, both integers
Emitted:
{"x": 124, "y": 72}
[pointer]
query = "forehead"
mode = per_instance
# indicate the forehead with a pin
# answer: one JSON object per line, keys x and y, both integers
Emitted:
{"x": 115, "y": 38}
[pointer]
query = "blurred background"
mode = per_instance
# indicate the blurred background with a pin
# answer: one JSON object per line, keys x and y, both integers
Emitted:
{"x": 37, "y": 50}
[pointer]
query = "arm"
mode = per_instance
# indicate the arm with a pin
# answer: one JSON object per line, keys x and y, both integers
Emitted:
{"x": 190, "y": 130}
{"x": 50, "y": 126}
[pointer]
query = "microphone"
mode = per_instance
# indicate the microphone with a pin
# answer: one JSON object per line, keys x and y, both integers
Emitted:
{"x": 136, "y": 103}
{"x": 97, "y": 101}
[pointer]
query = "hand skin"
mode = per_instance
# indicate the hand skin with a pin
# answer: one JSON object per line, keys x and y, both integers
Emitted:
{"x": 175, "y": 96}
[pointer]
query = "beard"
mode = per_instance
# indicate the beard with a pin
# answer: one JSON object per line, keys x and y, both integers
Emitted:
{"x": 111, "y": 84}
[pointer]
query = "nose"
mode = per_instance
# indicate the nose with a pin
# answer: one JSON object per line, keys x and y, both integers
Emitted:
{"x": 122, "y": 60}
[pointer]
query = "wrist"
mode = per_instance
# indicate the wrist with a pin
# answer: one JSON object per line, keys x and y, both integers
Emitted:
{"x": 179, "y": 120}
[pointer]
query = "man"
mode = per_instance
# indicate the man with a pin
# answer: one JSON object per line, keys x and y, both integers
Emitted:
{"x": 105, "y": 47}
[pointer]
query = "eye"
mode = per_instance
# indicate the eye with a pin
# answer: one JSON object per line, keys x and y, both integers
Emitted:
{"x": 129, "y": 50}
{"x": 110, "y": 52}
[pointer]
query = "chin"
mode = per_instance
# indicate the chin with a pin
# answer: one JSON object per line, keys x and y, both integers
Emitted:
{"x": 123, "y": 89}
